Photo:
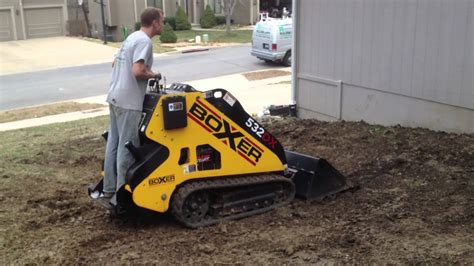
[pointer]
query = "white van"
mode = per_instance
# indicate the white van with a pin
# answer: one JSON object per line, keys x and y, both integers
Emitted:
{"x": 272, "y": 40}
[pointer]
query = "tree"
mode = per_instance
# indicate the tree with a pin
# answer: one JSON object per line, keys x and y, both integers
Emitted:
{"x": 208, "y": 19}
{"x": 228, "y": 6}
{"x": 182, "y": 22}
{"x": 168, "y": 35}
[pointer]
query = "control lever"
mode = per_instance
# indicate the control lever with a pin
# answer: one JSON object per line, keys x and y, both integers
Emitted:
{"x": 154, "y": 83}
{"x": 158, "y": 78}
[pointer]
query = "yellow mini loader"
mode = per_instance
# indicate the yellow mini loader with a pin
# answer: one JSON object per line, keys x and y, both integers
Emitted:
{"x": 202, "y": 157}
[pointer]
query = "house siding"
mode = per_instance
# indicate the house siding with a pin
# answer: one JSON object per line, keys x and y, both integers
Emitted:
{"x": 118, "y": 14}
{"x": 392, "y": 57}
{"x": 241, "y": 13}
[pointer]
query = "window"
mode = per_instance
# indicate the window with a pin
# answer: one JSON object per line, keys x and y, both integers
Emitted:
{"x": 155, "y": 3}
{"x": 216, "y": 6}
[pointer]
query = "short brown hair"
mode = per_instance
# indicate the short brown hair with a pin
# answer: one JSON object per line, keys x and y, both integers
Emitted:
{"x": 150, "y": 14}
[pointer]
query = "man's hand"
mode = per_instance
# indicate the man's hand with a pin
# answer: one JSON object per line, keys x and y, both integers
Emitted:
{"x": 140, "y": 71}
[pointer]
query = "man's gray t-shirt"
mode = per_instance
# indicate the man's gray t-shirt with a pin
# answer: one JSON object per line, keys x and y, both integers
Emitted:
{"x": 125, "y": 90}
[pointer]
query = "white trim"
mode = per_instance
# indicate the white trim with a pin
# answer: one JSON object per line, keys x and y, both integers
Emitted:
{"x": 22, "y": 17}
{"x": 330, "y": 82}
{"x": 294, "y": 52}
{"x": 251, "y": 12}
{"x": 65, "y": 18}
{"x": 164, "y": 7}
{"x": 12, "y": 15}
{"x": 135, "y": 10}
{"x": 339, "y": 89}
{"x": 194, "y": 12}
{"x": 109, "y": 14}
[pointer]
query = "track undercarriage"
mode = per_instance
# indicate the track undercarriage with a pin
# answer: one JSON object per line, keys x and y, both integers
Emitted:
{"x": 206, "y": 202}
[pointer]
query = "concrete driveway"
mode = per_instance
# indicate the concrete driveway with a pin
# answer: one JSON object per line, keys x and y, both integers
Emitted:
{"x": 47, "y": 53}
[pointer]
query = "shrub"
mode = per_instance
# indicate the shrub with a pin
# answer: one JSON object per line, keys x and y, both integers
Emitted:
{"x": 208, "y": 20}
{"x": 220, "y": 20}
{"x": 138, "y": 25}
{"x": 171, "y": 21}
{"x": 182, "y": 22}
{"x": 168, "y": 35}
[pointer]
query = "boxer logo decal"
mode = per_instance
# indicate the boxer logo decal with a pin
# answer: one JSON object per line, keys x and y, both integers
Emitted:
{"x": 224, "y": 131}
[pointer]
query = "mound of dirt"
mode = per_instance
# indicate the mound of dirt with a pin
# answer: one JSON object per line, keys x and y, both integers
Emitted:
{"x": 415, "y": 204}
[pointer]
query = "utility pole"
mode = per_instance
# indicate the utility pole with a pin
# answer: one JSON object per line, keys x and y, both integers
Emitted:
{"x": 104, "y": 27}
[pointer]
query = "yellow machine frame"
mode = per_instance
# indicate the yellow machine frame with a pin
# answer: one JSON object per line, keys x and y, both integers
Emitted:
{"x": 203, "y": 122}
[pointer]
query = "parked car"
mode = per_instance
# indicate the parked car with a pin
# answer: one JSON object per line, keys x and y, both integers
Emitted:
{"x": 272, "y": 40}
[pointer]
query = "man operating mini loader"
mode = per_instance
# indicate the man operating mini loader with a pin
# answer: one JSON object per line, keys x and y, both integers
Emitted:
{"x": 131, "y": 70}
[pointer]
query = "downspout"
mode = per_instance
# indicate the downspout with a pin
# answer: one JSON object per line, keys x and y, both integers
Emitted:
{"x": 294, "y": 52}
{"x": 12, "y": 16}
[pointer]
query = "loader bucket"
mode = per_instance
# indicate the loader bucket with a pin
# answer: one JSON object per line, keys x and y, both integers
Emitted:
{"x": 314, "y": 178}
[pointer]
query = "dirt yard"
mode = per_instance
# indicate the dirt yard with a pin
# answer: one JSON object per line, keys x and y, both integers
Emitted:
{"x": 415, "y": 203}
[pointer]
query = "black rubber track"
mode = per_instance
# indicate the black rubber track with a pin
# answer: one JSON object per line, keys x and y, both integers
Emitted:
{"x": 224, "y": 183}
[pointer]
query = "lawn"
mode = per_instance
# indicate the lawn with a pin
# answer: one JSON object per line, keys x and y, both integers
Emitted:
{"x": 46, "y": 110}
{"x": 236, "y": 36}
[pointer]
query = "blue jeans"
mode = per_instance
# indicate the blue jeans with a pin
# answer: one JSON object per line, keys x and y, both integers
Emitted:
{"x": 123, "y": 127}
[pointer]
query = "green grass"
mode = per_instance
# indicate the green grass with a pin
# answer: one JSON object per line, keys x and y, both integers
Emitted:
{"x": 38, "y": 149}
{"x": 219, "y": 36}
{"x": 157, "y": 48}
{"x": 45, "y": 110}
{"x": 237, "y": 36}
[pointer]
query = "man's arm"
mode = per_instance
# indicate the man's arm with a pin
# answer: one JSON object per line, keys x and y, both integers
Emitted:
{"x": 140, "y": 71}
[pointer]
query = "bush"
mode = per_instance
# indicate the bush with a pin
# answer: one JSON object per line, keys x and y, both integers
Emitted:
{"x": 220, "y": 20}
{"x": 171, "y": 21}
{"x": 168, "y": 35}
{"x": 182, "y": 22}
{"x": 138, "y": 25}
{"x": 208, "y": 20}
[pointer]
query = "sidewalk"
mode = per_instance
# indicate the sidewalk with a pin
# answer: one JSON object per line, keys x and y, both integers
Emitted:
{"x": 253, "y": 95}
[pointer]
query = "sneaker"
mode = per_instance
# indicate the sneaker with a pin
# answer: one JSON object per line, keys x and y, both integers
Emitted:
{"x": 106, "y": 195}
{"x": 104, "y": 199}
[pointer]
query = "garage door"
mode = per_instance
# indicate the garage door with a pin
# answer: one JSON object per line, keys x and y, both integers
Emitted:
{"x": 6, "y": 26}
{"x": 44, "y": 22}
